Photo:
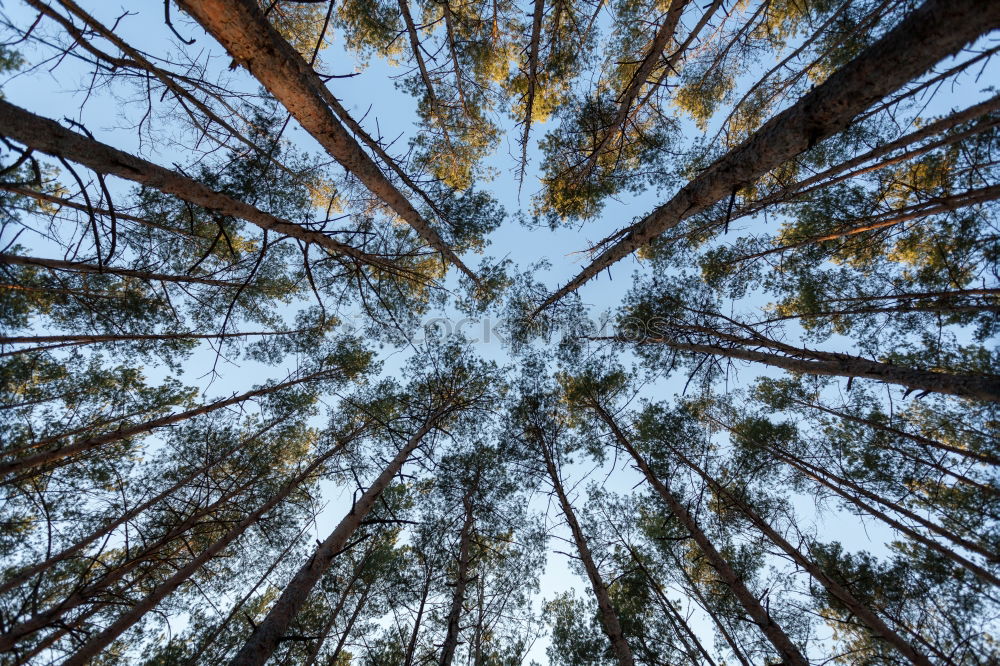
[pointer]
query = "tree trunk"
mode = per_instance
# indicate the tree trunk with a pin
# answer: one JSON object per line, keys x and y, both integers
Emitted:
{"x": 458, "y": 598}
{"x": 775, "y": 634}
{"x": 639, "y": 78}
{"x": 50, "y": 137}
{"x": 985, "y": 388}
{"x": 609, "y": 617}
{"x": 820, "y": 477}
{"x": 412, "y": 645}
{"x": 48, "y": 342}
{"x": 82, "y": 267}
{"x": 83, "y": 595}
{"x": 269, "y": 632}
{"x": 532, "y": 79}
{"x": 104, "y": 531}
{"x": 240, "y": 26}
{"x": 920, "y": 439}
{"x": 931, "y": 33}
{"x": 141, "y": 428}
{"x": 97, "y": 643}
{"x": 737, "y": 650}
{"x": 877, "y": 626}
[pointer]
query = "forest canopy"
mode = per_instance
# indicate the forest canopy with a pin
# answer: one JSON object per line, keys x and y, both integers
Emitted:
{"x": 498, "y": 332}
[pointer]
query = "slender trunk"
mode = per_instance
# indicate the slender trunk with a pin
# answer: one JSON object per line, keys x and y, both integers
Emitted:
{"x": 609, "y": 617}
{"x": 50, "y": 137}
{"x": 105, "y": 531}
{"x": 335, "y": 613}
{"x": 915, "y": 211}
{"x": 813, "y": 471}
{"x": 68, "y": 203}
{"x": 141, "y": 428}
{"x": 931, "y": 33}
{"x": 269, "y": 632}
{"x": 350, "y": 624}
{"x": 196, "y": 656}
{"x": 920, "y": 439}
{"x": 735, "y": 647}
{"x": 458, "y": 597}
{"x": 82, "y": 267}
{"x": 775, "y": 634}
{"x": 82, "y": 595}
{"x": 681, "y": 626}
{"x": 822, "y": 479}
{"x": 240, "y": 26}
{"x": 97, "y": 643}
{"x": 412, "y": 645}
{"x": 664, "y": 34}
{"x": 532, "y": 79}
{"x": 975, "y": 387}
{"x": 411, "y": 31}
{"x": 877, "y": 626}
{"x": 60, "y": 341}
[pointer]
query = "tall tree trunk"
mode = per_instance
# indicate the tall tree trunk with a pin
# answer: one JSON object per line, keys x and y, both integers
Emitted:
{"x": 877, "y": 626}
{"x": 96, "y": 644}
{"x": 664, "y": 34}
{"x": 337, "y": 609}
{"x": 48, "y": 342}
{"x": 920, "y": 439}
{"x": 26, "y": 574}
{"x": 199, "y": 651}
{"x": 833, "y": 483}
{"x": 411, "y": 647}
{"x": 461, "y": 580}
{"x": 812, "y": 362}
{"x": 83, "y": 267}
{"x": 734, "y": 646}
{"x": 121, "y": 433}
{"x": 532, "y": 80}
{"x": 351, "y": 621}
{"x": 687, "y": 636}
{"x": 775, "y": 634}
{"x": 609, "y": 617}
{"x": 931, "y": 33}
{"x": 269, "y": 632}
{"x": 164, "y": 547}
{"x": 50, "y": 137}
{"x": 240, "y": 26}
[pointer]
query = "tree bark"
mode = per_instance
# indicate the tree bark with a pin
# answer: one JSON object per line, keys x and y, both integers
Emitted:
{"x": 461, "y": 580}
{"x": 97, "y": 643}
{"x": 240, "y": 26}
{"x": 609, "y": 617}
{"x": 82, "y": 595}
{"x": 844, "y": 365}
{"x": 50, "y": 137}
{"x": 141, "y": 428}
{"x": 24, "y": 575}
{"x": 784, "y": 645}
{"x": 934, "y": 31}
{"x": 666, "y": 31}
{"x": 269, "y": 632}
{"x": 820, "y": 477}
{"x": 877, "y": 626}
{"x": 83, "y": 267}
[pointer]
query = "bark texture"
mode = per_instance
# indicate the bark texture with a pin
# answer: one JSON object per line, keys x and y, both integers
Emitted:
{"x": 241, "y": 27}
{"x": 270, "y": 631}
{"x": 775, "y": 634}
{"x": 50, "y": 137}
{"x": 934, "y": 31}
